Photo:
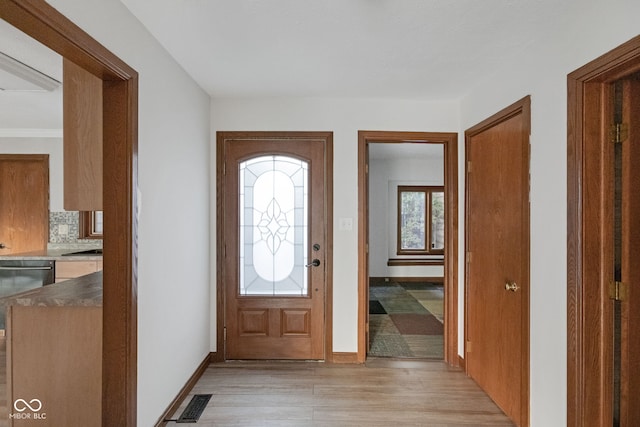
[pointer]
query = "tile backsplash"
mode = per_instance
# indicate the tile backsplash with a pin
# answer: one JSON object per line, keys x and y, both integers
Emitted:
{"x": 64, "y": 228}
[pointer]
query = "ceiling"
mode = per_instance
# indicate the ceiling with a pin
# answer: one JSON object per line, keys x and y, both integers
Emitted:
{"x": 415, "y": 49}
{"x": 22, "y": 104}
{"x": 403, "y": 49}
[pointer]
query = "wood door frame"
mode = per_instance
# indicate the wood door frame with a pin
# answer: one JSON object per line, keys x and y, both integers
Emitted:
{"x": 44, "y": 160}
{"x": 520, "y": 107}
{"x": 41, "y": 21}
{"x": 327, "y": 137}
{"x": 450, "y": 145}
{"x": 589, "y": 365}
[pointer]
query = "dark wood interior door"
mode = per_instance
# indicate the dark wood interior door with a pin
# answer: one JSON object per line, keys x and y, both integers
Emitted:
{"x": 497, "y": 276}
{"x": 275, "y": 239}
{"x": 627, "y": 360}
{"x": 24, "y": 203}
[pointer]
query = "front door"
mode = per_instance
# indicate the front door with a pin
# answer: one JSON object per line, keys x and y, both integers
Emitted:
{"x": 497, "y": 276}
{"x": 24, "y": 202}
{"x": 275, "y": 244}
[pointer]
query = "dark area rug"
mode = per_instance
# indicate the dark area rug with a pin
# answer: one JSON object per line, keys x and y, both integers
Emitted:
{"x": 417, "y": 324}
{"x": 376, "y": 308}
{"x": 403, "y": 319}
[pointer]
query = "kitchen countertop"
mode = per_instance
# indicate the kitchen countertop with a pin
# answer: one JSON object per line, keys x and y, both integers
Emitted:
{"x": 85, "y": 291}
{"x": 56, "y": 254}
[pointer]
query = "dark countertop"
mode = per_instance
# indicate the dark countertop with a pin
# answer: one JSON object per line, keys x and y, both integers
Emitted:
{"x": 53, "y": 255}
{"x": 85, "y": 291}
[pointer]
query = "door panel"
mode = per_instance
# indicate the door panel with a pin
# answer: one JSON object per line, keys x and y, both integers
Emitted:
{"x": 275, "y": 240}
{"x": 24, "y": 201}
{"x": 498, "y": 258}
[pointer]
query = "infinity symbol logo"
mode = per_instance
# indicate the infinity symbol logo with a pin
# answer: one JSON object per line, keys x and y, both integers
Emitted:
{"x": 24, "y": 405}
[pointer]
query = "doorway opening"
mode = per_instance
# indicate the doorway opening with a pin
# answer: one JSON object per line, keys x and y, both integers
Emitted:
{"x": 413, "y": 314}
{"x": 45, "y": 24}
{"x": 406, "y": 250}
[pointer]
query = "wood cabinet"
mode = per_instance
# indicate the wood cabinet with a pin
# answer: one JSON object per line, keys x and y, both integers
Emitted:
{"x": 82, "y": 135}
{"x": 70, "y": 269}
{"x": 54, "y": 360}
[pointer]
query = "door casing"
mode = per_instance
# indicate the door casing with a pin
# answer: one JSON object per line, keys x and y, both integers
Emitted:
{"x": 327, "y": 138}
{"x": 450, "y": 144}
{"x": 589, "y": 353}
{"x": 45, "y": 24}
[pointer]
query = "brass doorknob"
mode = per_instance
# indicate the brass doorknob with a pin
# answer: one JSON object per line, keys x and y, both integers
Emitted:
{"x": 511, "y": 286}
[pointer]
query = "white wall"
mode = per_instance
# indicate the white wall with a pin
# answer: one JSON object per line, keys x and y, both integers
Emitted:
{"x": 596, "y": 27}
{"x": 173, "y": 262}
{"x": 384, "y": 177}
{"x": 50, "y": 146}
{"x": 344, "y": 117}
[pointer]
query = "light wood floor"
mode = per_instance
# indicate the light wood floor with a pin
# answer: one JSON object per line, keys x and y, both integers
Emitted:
{"x": 382, "y": 392}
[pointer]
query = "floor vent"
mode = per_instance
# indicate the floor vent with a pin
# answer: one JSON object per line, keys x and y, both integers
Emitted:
{"x": 194, "y": 409}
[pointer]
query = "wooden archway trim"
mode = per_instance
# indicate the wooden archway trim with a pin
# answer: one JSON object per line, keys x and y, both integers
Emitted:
{"x": 588, "y": 355}
{"x": 450, "y": 144}
{"x": 39, "y": 20}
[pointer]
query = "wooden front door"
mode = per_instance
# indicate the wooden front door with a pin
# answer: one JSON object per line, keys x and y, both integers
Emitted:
{"x": 24, "y": 202}
{"x": 497, "y": 272}
{"x": 275, "y": 243}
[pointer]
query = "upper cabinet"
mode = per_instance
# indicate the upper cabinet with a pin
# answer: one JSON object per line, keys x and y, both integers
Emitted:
{"x": 82, "y": 127}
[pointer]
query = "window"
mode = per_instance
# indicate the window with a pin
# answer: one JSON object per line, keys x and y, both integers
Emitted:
{"x": 274, "y": 229}
{"x": 420, "y": 220}
{"x": 90, "y": 225}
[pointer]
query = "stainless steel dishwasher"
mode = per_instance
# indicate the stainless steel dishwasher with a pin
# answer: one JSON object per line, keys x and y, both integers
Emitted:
{"x": 22, "y": 275}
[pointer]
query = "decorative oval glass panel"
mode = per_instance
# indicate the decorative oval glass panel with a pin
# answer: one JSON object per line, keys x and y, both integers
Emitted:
{"x": 273, "y": 226}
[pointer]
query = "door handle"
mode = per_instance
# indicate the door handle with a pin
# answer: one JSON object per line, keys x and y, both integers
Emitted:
{"x": 2, "y": 246}
{"x": 511, "y": 286}
{"x": 314, "y": 263}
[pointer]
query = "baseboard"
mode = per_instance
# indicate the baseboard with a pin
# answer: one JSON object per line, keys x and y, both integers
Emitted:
{"x": 216, "y": 357}
{"x": 184, "y": 392}
{"x": 344, "y": 357}
{"x": 407, "y": 279}
{"x": 462, "y": 363}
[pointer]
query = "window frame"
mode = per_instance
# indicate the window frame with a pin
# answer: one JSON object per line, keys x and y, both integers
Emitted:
{"x": 86, "y": 227}
{"x": 428, "y": 190}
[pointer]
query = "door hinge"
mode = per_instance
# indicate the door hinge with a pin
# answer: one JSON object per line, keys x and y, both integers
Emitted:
{"x": 618, "y": 291}
{"x": 469, "y": 257}
{"x": 224, "y": 334}
{"x": 619, "y": 132}
{"x": 366, "y": 168}
{"x": 469, "y": 166}
{"x": 468, "y": 347}
{"x": 366, "y": 248}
